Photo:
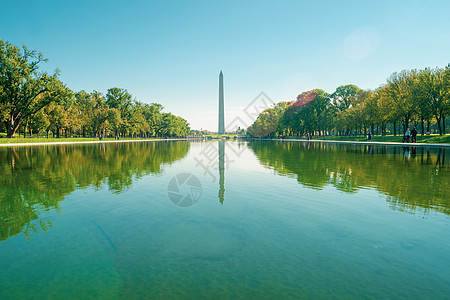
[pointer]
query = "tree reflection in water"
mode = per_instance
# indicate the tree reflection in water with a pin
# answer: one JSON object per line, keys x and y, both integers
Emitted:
{"x": 36, "y": 179}
{"x": 411, "y": 178}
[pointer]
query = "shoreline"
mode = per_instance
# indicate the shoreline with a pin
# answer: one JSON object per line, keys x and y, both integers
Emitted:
{"x": 396, "y": 144}
{"x": 91, "y": 142}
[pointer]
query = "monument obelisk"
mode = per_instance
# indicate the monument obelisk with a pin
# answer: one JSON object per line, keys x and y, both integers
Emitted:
{"x": 221, "y": 110}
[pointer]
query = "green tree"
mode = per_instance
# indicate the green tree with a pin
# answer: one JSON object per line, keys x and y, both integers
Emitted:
{"x": 84, "y": 106}
{"x": 39, "y": 122}
{"x": 434, "y": 91}
{"x": 62, "y": 114}
{"x": 310, "y": 117}
{"x": 386, "y": 109}
{"x": 121, "y": 100}
{"x": 267, "y": 123}
{"x": 342, "y": 100}
{"x": 23, "y": 89}
{"x": 153, "y": 116}
{"x": 343, "y": 96}
{"x": 114, "y": 120}
{"x": 100, "y": 113}
{"x": 58, "y": 118}
{"x": 400, "y": 89}
{"x": 138, "y": 122}
{"x": 174, "y": 126}
{"x": 359, "y": 110}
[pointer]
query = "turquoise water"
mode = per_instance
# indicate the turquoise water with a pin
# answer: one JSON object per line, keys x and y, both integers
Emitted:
{"x": 276, "y": 220}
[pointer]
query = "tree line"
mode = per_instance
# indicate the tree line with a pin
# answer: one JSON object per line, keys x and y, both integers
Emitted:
{"x": 32, "y": 100}
{"x": 411, "y": 97}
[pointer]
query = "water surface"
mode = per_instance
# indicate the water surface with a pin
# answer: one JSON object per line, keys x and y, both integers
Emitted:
{"x": 274, "y": 220}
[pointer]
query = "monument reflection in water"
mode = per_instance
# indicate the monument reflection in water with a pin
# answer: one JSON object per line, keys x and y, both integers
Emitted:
{"x": 221, "y": 171}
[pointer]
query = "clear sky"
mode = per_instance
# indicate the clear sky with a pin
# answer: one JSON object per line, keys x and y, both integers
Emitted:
{"x": 171, "y": 52}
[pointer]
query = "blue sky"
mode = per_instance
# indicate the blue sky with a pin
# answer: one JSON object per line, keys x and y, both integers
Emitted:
{"x": 171, "y": 52}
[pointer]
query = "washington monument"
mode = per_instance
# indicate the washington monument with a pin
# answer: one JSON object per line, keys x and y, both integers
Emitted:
{"x": 221, "y": 112}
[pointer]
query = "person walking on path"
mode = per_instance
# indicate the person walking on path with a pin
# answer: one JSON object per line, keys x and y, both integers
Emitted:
{"x": 413, "y": 135}
{"x": 407, "y": 135}
{"x": 369, "y": 136}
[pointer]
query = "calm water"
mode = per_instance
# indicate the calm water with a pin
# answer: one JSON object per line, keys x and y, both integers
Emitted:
{"x": 271, "y": 220}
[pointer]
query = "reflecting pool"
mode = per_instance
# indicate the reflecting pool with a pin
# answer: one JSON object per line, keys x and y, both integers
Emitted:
{"x": 224, "y": 220}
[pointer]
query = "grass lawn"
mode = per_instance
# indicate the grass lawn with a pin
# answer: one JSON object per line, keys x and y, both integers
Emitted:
{"x": 431, "y": 139}
{"x": 215, "y": 136}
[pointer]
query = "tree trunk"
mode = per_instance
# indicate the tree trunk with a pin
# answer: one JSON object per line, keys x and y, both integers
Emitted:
{"x": 395, "y": 128}
{"x": 11, "y": 128}
{"x": 438, "y": 119}
{"x": 422, "y": 126}
{"x": 443, "y": 123}
{"x": 9, "y": 133}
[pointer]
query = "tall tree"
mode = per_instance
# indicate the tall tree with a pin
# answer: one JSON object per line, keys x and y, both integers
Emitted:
{"x": 152, "y": 113}
{"x": 434, "y": 91}
{"x": 23, "y": 89}
{"x": 100, "y": 113}
{"x": 400, "y": 88}
{"x": 342, "y": 97}
{"x": 121, "y": 99}
{"x": 38, "y": 122}
{"x": 342, "y": 100}
{"x": 267, "y": 122}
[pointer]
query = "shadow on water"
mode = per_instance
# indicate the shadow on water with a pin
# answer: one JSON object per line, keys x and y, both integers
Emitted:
{"x": 36, "y": 179}
{"x": 412, "y": 178}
